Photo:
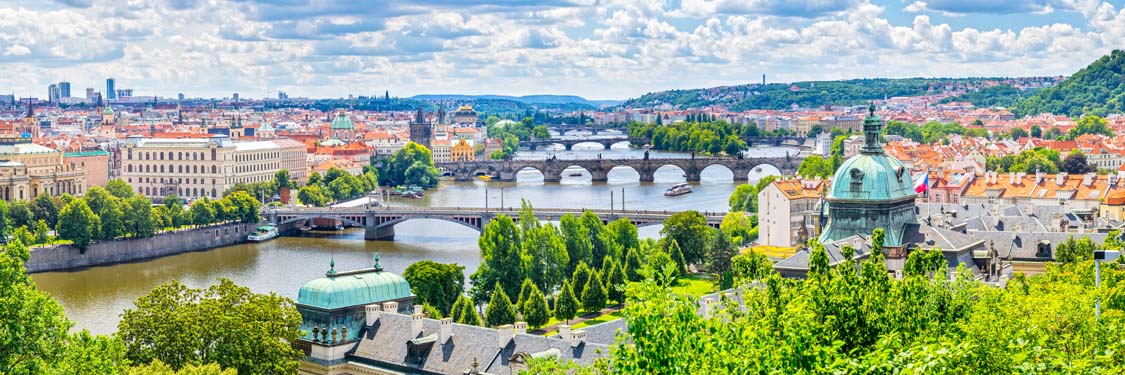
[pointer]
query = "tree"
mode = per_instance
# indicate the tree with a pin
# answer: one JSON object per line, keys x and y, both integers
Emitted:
{"x": 816, "y": 166}
{"x": 721, "y": 252}
{"x": 624, "y": 233}
{"x": 436, "y": 284}
{"x": 112, "y": 214}
{"x": 924, "y": 263}
{"x": 579, "y": 248}
{"x": 545, "y": 257}
{"x": 246, "y": 207}
{"x": 464, "y": 312}
{"x": 432, "y": 312}
{"x": 566, "y": 305}
{"x": 34, "y": 326}
{"x": 20, "y": 214}
{"x": 5, "y": 226}
{"x": 614, "y": 281}
{"x": 1090, "y": 124}
{"x": 282, "y": 179}
{"x": 601, "y": 243}
{"x": 750, "y": 266}
{"x": 42, "y": 234}
{"x": 739, "y": 227}
{"x": 88, "y": 354}
{"x": 541, "y": 132}
{"x": 818, "y": 260}
{"x": 501, "y": 252}
{"x": 593, "y": 295}
{"x": 202, "y": 212}
{"x": 138, "y": 218}
{"x": 580, "y": 277}
{"x": 1036, "y": 131}
{"x": 314, "y": 179}
{"x": 224, "y": 324}
{"x": 689, "y": 229}
{"x": 534, "y": 309}
{"x": 313, "y": 195}
{"x": 119, "y": 188}
{"x": 44, "y": 208}
{"x": 632, "y": 265}
{"x": 78, "y": 224}
{"x": 877, "y": 238}
{"x": 743, "y": 198}
{"x": 160, "y": 368}
{"x": 1073, "y": 251}
{"x": 1075, "y": 163}
{"x": 1018, "y": 133}
{"x": 677, "y": 256}
{"x": 397, "y": 168}
{"x": 500, "y": 310}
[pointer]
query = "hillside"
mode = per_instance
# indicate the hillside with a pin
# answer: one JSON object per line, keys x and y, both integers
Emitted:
{"x": 804, "y": 94}
{"x": 550, "y": 100}
{"x": 1097, "y": 89}
{"x": 1004, "y": 96}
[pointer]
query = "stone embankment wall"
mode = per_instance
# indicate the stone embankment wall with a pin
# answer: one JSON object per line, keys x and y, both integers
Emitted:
{"x": 66, "y": 257}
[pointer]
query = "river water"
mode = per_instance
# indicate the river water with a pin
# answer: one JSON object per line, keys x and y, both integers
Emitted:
{"x": 94, "y": 298}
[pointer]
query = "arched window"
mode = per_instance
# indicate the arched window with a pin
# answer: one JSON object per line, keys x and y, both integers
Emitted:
{"x": 214, "y": 169}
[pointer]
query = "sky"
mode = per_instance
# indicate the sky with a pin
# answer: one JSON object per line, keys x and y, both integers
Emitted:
{"x": 598, "y": 49}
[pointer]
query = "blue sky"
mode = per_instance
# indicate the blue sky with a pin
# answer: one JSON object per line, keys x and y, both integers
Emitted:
{"x": 600, "y": 49}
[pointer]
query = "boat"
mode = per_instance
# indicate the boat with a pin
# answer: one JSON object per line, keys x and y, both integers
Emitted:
{"x": 679, "y": 189}
{"x": 263, "y": 233}
{"x": 485, "y": 178}
{"x": 574, "y": 174}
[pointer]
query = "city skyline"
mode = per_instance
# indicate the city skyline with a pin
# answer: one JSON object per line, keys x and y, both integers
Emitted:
{"x": 598, "y": 50}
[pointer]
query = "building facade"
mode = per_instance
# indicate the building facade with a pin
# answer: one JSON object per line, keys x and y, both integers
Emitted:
{"x": 205, "y": 167}
{"x": 789, "y": 211}
{"x": 28, "y": 169}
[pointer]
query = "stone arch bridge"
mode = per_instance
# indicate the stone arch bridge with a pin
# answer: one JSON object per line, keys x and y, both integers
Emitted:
{"x": 569, "y": 143}
{"x": 552, "y": 169}
{"x": 379, "y": 222}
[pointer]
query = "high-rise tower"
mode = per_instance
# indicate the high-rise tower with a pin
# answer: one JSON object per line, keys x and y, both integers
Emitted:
{"x": 110, "y": 88}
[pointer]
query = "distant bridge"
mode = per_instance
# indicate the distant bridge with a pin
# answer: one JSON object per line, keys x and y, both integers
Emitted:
{"x": 569, "y": 143}
{"x": 775, "y": 141}
{"x": 552, "y": 169}
{"x": 379, "y": 222}
{"x": 593, "y": 129}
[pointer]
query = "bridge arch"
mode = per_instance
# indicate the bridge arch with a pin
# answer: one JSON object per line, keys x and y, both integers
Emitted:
{"x": 670, "y": 173}
{"x": 576, "y": 173}
{"x": 465, "y": 222}
{"x": 528, "y": 171}
{"x": 588, "y": 143}
{"x": 624, "y": 171}
{"x": 762, "y": 170}
{"x": 717, "y": 172}
{"x": 347, "y": 220}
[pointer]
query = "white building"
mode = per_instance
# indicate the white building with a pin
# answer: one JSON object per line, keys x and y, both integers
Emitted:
{"x": 789, "y": 211}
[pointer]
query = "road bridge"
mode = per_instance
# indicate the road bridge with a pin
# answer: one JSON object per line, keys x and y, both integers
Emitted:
{"x": 569, "y": 143}
{"x": 379, "y": 222}
{"x": 552, "y": 168}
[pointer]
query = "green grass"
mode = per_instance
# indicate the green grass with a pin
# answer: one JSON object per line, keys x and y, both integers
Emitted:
{"x": 694, "y": 286}
{"x": 599, "y": 320}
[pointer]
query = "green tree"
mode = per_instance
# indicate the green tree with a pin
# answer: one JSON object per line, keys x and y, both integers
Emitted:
{"x": 160, "y": 368}
{"x": 743, "y": 198}
{"x": 501, "y": 252}
{"x": 677, "y": 256}
{"x": 566, "y": 305}
{"x": 313, "y": 195}
{"x": 432, "y": 312}
{"x": 5, "y": 226}
{"x": 721, "y": 252}
{"x": 119, "y": 188}
{"x": 579, "y": 248}
{"x": 602, "y": 244}
{"x": 88, "y": 354}
{"x": 534, "y": 309}
{"x": 45, "y": 208}
{"x": 436, "y": 284}
{"x": 818, "y": 260}
{"x": 689, "y": 229}
{"x": 624, "y": 233}
{"x": 541, "y": 132}
{"x": 1090, "y": 124}
{"x": 34, "y": 326}
{"x": 78, "y": 224}
{"x": 500, "y": 310}
{"x": 282, "y": 179}
{"x": 545, "y": 257}
{"x": 23, "y": 235}
{"x": 1075, "y": 250}
{"x": 138, "y": 219}
{"x": 202, "y": 212}
{"x": 614, "y": 281}
{"x": 224, "y": 324}
{"x": 20, "y": 215}
{"x": 750, "y": 266}
{"x": 112, "y": 218}
{"x": 816, "y": 166}
{"x": 593, "y": 295}
{"x": 924, "y": 263}
{"x": 411, "y": 165}
{"x": 1036, "y": 131}
{"x": 247, "y": 208}
{"x": 739, "y": 227}
{"x": 632, "y": 265}
{"x": 580, "y": 277}
{"x": 42, "y": 234}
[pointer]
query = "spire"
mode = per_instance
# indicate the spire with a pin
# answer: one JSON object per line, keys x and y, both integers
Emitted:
{"x": 872, "y": 128}
{"x": 419, "y": 118}
{"x": 30, "y": 111}
{"x": 331, "y": 267}
{"x": 378, "y": 267}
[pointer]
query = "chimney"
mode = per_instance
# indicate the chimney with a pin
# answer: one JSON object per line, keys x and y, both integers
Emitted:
{"x": 1038, "y": 177}
{"x": 446, "y": 331}
{"x": 415, "y": 324}
{"x": 1011, "y": 178}
{"x": 564, "y": 332}
{"x": 1060, "y": 178}
{"x": 504, "y": 335}
{"x": 577, "y": 338}
{"x": 1019, "y": 177}
{"x": 390, "y": 307}
{"x": 521, "y": 327}
{"x": 1088, "y": 179}
{"x": 373, "y": 313}
{"x": 417, "y": 309}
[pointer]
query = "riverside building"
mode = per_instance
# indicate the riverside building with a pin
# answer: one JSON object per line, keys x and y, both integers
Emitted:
{"x": 205, "y": 167}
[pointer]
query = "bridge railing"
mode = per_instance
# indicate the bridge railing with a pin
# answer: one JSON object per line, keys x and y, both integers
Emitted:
{"x": 477, "y": 210}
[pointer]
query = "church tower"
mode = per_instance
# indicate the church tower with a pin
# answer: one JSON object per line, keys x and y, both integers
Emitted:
{"x": 30, "y": 126}
{"x": 421, "y": 132}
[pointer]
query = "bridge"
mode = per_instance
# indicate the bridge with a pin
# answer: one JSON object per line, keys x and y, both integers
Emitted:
{"x": 552, "y": 168}
{"x": 593, "y": 129}
{"x": 569, "y": 143}
{"x": 379, "y": 222}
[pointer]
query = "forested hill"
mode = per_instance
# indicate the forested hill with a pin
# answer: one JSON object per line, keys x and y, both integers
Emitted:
{"x": 1098, "y": 89}
{"x": 804, "y": 94}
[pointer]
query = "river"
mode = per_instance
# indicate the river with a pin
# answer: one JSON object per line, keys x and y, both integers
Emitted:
{"x": 94, "y": 298}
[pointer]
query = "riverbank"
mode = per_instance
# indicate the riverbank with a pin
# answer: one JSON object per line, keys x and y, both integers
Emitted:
{"x": 67, "y": 257}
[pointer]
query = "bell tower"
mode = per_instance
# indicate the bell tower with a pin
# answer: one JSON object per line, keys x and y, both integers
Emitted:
{"x": 420, "y": 131}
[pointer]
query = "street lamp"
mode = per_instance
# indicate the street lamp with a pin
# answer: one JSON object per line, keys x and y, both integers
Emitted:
{"x": 1099, "y": 257}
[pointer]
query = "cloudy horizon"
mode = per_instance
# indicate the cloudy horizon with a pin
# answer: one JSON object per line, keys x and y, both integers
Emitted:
{"x": 597, "y": 49}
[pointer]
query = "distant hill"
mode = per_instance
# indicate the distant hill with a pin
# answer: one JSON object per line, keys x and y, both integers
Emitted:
{"x": 1004, "y": 96}
{"x": 1098, "y": 89}
{"x": 556, "y": 100}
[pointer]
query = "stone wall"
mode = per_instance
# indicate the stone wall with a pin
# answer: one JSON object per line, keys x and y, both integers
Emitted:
{"x": 65, "y": 257}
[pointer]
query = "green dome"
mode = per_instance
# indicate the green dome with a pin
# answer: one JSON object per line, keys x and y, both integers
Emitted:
{"x": 353, "y": 288}
{"x": 107, "y": 110}
{"x": 342, "y": 122}
{"x": 871, "y": 177}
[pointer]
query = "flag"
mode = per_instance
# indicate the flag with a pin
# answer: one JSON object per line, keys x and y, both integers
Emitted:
{"x": 922, "y": 184}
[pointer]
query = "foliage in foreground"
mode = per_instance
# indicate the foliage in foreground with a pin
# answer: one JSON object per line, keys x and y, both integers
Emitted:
{"x": 841, "y": 321}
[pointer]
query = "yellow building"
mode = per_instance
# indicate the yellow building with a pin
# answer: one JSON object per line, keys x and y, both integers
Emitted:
{"x": 205, "y": 167}
{"x": 462, "y": 151}
{"x": 28, "y": 169}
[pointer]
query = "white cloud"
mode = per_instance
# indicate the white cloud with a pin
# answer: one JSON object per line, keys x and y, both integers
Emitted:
{"x": 596, "y": 48}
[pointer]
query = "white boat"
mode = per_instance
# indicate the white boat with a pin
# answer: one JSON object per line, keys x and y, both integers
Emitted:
{"x": 679, "y": 189}
{"x": 263, "y": 233}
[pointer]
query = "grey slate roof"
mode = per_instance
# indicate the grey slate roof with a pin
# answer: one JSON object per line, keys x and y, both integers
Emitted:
{"x": 384, "y": 344}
